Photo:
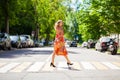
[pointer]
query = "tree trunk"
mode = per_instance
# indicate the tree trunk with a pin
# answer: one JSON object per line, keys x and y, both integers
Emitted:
{"x": 7, "y": 23}
{"x": 47, "y": 39}
{"x": 6, "y": 16}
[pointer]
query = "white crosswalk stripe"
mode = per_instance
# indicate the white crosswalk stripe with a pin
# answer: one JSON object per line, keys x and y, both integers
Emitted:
{"x": 21, "y": 67}
{"x": 116, "y": 63}
{"x": 35, "y": 67}
{"x": 61, "y": 66}
{"x": 48, "y": 68}
{"x": 88, "y": 66}
{"x": 99, "y": 66}
{"x": 8, "y": 67}
{"x": 110, "y": 65}
{"x": 2, "y": 64}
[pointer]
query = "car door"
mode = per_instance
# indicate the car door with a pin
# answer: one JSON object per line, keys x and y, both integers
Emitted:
{"x": 8, "y": 40}
{"x": 98, "y": 45}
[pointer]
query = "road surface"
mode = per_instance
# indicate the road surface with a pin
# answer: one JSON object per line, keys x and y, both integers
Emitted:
{"x": 33, "y": 64}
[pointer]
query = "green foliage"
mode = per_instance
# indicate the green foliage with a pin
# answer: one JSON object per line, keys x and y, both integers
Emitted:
{"x": 90, "y": 19}
{"x": 99, "y": 17}
{"x": 28, "y": 15}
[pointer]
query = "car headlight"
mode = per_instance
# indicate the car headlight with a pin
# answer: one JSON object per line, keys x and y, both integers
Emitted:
{"x": 3, "y": 40}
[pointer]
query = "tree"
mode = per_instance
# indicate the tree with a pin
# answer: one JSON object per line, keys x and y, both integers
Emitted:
{"x": 47, "y": 13}
{"x": 98, "y": 17}
{"x": 8, "y": 8}
{"x": 71, "y": 20}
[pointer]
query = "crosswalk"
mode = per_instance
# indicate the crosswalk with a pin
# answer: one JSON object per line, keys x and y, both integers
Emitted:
{"x": 17, "y": 67}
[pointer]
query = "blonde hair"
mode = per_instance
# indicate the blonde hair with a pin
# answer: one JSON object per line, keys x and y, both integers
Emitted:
{"x": 57, "y": 24}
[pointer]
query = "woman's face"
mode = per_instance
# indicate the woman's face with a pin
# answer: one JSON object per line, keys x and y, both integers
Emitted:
{"x": 61, "y": 24}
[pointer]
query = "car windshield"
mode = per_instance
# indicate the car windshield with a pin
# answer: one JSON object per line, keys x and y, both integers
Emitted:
{"x": 74, "y": 42}
{"x": 23, "y": 38}
{"x": 90, "y": 40}
{"x": 105, "y": 39}
{"x": 2, "y": 35}
{"x": 14, "y": 38}
{"x": 27, "y": 36}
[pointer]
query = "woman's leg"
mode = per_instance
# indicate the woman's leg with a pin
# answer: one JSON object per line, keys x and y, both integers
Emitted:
{"x": 53, "y": 57}
{"x": 66, "y": 57}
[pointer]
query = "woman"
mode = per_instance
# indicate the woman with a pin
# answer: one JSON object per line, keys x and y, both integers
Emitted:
{"x": 59, "y": 43}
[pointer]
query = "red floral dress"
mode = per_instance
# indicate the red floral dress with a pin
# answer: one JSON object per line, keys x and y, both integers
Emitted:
{"x": 59, "y": 43}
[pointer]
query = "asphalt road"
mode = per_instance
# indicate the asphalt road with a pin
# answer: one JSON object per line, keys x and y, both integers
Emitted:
{"x": 33, "y": 64}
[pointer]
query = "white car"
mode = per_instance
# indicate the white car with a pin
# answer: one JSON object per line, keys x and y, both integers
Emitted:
{"x": 30, "y": 41}
{"x": 67, "y": 43}
{"x": 84, "y": 44}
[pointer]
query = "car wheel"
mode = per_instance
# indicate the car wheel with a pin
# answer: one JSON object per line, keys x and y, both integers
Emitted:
{"x": 20, "y": 46}
{"x": 96, "y": 49}
{"x": 114, "y": 52}
{"x": 4, "y": 47}
{"x": 9, "y": 48}
{"x": 101, "y": 50}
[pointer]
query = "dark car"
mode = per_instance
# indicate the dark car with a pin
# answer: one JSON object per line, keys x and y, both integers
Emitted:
{"x": 107, "y": 44}
{"x": 38, "y": 43}
{"x": 5, "y": 42}
{"x": 15, "y": 41}
{"x": 24, "y": 41}
{"x": 73, "y": 44}
{"x": 91, "y": 44}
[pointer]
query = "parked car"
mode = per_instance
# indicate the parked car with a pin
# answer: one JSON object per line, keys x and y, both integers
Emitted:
{"x": 91, "y": 44}
{"x": 84, "y": 44}
{"x": 67, "y": 43}
{"x": 73, "y": 44}
{"x": 29, "y": 40}
{"x": 5, "y": 42}
{"x": 38, "y": 43}
{"x": 107, "y": 44}
{"x": 24, "y": 41}
{"x": 50, "y": 42}
{"x": 15, "y": 41}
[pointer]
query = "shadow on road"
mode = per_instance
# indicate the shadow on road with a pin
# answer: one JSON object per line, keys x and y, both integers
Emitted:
{"x": 23, "y": 53}
{"x": 27, "y": 53}
{"x": 72, "y": 52}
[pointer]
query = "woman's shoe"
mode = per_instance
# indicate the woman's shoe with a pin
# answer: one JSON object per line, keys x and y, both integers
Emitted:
{"x": 69, "y": 64}
{"x": 51, "y": 64}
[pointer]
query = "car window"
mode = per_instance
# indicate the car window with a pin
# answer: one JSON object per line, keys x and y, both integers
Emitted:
{"x": 27, "y": 36}
{"x": 22, "y": 38}
{"x": 2, "y": 35}
{"x": 14, "y": 37}
{"x": 105, "y": 40}
{"x": 74, "y": 42}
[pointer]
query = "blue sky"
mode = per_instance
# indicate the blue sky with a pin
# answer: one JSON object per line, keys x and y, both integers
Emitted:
{"x": 74, "y": 3}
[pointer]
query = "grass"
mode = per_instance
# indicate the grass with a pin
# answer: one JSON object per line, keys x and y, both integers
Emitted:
{"x": 79, "y": 44}
{"x": 118, "y": 51}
